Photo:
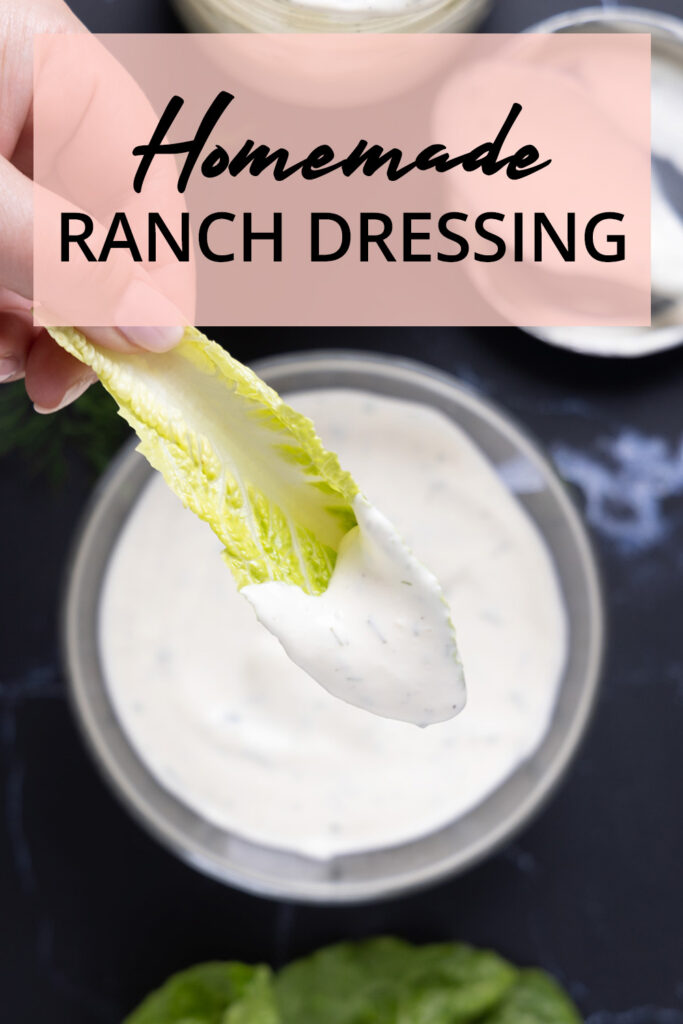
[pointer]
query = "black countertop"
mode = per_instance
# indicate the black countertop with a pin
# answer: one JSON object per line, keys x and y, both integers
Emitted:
{"x": 94, "y": 913}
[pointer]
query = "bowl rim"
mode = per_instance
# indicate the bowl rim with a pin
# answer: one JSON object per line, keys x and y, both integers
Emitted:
{"x": 669, "y": 23}
{"x": 326, "y": 891}
{"x": 645, "y": 341}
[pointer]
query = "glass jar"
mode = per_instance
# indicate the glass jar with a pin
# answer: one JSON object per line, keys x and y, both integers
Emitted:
{"x": 333, "y": 16}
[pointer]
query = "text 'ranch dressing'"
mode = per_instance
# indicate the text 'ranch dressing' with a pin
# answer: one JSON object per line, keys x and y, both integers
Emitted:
{"x": 226, "y": 722}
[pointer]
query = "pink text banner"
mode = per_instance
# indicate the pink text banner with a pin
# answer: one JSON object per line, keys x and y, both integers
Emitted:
{"x": 342, "y": 180}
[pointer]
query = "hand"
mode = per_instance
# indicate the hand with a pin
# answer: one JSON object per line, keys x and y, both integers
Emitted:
{"x": 53, "y": 378}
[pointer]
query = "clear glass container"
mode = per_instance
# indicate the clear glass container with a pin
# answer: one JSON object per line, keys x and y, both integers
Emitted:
{"x": 339, "y": 16}
{"x": 383, "y": 872}
{"x": 666, "y": 33}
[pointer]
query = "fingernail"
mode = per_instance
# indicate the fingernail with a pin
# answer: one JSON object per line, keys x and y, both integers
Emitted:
{"x": 155, "y": 339}
{"x": 69, "y": 396}
{"x": 10, "y": 368}
{"x": 141, "y": 302}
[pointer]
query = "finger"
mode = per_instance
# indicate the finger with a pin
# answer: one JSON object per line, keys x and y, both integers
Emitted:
{"x": 16, "y": 230}
{"x": 84, "y": 180}
{"x": 16, "y": 338}
{"x": 20, "y": 22}
{"x": 133, "y": 339}
{"x": 116, "y": 292}
{"x": 54, "y": 378}
{"x": 22, "y": 155}
{"x": 12, "y": 302}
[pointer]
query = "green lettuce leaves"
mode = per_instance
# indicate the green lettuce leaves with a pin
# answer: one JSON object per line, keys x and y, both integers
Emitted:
{"x": 213, "y": 993}
{"x": 535, "y": 998}
{"x": 378, "y": 981}
{"x": 234, "y": 453}
{"x": 387, "y": 981}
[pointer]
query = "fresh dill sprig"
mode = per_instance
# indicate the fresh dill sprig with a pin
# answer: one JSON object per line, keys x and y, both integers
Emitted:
{"x": 89, "y": 430}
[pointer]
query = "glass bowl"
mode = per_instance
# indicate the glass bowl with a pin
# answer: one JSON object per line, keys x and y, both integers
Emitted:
{"x": 666, "y": 330}
{"x": 385, "y": 872}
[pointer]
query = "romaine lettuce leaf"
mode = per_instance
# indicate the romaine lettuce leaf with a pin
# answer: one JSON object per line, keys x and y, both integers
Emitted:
{"x": 235, "y": 453}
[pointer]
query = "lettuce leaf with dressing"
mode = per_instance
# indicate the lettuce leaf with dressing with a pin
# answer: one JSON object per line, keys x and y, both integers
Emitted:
{"x": 235, "y": 453}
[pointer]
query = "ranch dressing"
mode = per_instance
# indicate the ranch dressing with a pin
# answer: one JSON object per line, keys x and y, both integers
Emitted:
{"x": 380, "y": 636}
{"x": 228, "y": 724}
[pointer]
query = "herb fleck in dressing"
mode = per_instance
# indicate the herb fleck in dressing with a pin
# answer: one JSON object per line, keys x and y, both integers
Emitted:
{"x": 232, "y": 727}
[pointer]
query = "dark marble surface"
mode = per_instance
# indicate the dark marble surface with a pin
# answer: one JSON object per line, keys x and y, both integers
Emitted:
{"x": 93, "y": 913}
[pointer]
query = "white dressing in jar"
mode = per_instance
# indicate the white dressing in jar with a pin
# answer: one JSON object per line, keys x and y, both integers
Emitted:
{"x": 332, "y": 15}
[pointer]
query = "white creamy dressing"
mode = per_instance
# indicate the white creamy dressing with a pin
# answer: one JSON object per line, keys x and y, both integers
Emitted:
{"x": 380, "y": 637}
{"x": 226, "y": 722}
